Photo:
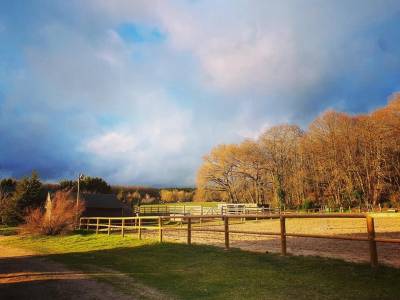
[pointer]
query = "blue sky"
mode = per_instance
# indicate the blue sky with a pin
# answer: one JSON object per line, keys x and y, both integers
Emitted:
{"x": 138, "y": 91}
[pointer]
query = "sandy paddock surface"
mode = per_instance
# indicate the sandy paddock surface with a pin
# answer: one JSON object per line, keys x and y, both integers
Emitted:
{"x": 356, "y": 251}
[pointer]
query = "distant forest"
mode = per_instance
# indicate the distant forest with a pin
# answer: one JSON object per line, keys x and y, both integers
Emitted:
{"x": 17, "y": 197}
{"x": 341, "y": 160}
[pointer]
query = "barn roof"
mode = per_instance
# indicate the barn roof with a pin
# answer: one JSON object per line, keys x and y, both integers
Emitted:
{"x": 101, "y": 201}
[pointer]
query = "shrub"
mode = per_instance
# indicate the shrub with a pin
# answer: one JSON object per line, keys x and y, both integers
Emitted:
{"x": 308, "y": 204}
{"x": 58, "y": 216}
{"x": 395, "y": 199}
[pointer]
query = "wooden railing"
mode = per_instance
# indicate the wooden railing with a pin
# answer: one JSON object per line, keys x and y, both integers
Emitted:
{"x": 195, "y": 210}
{"x": 140, "y": 223}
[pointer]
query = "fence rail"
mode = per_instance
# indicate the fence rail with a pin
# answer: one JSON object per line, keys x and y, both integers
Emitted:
{"x": 243, "y": 208}
{"x": 157, "y": 223}
{"x": 200, "y": 210}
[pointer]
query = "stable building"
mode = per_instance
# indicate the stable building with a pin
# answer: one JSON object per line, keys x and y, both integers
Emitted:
{"x": 104, "y": 205}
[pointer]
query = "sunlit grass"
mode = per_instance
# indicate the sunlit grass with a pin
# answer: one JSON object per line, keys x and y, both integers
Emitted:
{"x": 204, "y": 204}
{"x": 73, "y": 243}
{"x": 193, "y": 272}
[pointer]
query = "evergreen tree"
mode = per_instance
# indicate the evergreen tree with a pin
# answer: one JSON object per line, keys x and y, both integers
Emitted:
{"x": 87, "y": 184}
{"x": 28, "y": 193}
{"x": 8, "y": 209}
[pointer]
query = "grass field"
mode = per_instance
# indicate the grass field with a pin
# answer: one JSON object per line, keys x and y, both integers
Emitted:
{"x": 206, "y": 272}
{"x": 8, "y": 230}
{"x": 204, "y": 204}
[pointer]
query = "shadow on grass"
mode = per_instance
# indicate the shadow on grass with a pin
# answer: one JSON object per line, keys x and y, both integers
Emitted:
{"x": 352, "y": 251}
{"x": 8, "y": 230}
{"x": 193, "y": 272}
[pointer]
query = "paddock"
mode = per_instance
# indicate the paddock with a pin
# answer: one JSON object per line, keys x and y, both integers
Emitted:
{"x": 351, "y": 237}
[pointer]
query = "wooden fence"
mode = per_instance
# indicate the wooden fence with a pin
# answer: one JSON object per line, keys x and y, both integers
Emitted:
{"x": 140, "y": 223}
{"x": 229, "y": 209}
{"x": 177, "y": 210}
{"x": 199, "y": 210}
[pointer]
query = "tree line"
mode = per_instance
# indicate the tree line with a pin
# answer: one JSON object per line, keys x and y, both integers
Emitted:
{"x": 341, "y": 160}
{"x": 135, "y": 196}
{"x": 19, "y": 197}
{"x": 176, "y": 195}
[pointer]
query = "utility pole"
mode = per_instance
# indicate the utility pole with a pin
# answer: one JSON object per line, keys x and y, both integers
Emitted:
{"x": 81, "y": 176}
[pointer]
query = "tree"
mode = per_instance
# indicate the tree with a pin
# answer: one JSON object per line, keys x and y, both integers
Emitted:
{"x": 175, "y": 195}
{"x": 8, "y": 208}
{"x": 122, "y": 196}
{"x": 9, "y": 213}
{"x": 95, "y": 185}
{"x": 28, "y": 193}
{"x": 168, "y": 196}
{"x": 250, "y": 172}
{"x": 8, "y": 184}
{"x": 88, "y": 184}
{"x": 68, "y": 185}
{"x": 280, "y": 148}
{"x": 341, "y": 160}
{"x": 218, "y": 172}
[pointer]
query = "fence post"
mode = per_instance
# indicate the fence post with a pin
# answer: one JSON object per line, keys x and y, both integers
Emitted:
{"x": 87, "y": 224}
{"x": 109, "y": 226}
{"x": 189, "y": 231}
{"x": 372, "y": 243}
{"x": 160, "y": 233}
{"x": 122, "y": 228}
{"x": 226, "y": 229}
{"x": 97, "y": 225}
{"x": 80, "y": 223}
{"x": 283, "y": 235}
{"x": 140, "y": 229}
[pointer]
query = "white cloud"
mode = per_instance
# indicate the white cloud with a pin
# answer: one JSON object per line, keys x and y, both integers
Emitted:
{"x": 111, "y": 144}
{"x": 254, "y": 133}
{"x": 149, "y": 151}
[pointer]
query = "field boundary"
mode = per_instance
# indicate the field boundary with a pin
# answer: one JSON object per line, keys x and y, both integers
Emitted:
{"x": 158, "y": 223}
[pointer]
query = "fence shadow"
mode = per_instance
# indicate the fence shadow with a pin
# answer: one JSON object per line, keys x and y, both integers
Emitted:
{"x": 168, "y": 266}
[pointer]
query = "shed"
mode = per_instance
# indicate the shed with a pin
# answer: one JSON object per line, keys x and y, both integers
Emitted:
{"x": 104, "y": 205}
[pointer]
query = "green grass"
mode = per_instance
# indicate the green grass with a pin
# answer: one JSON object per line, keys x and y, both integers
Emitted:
{"x": 205, "y": 272}
{"x": 385, "y": 215}
{"x": 204, "y": 204}
{"x": 8, "y": 230}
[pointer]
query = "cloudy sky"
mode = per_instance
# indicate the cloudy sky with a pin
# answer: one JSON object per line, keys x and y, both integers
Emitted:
{"x": 138, "y": 91}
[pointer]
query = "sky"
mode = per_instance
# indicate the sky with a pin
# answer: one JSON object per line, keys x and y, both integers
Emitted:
{"x": 137, "y": 92}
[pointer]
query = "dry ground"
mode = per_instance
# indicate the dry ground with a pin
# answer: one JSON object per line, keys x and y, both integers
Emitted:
{"x": 356, "y": 251}
{"x": 26, "y": 275}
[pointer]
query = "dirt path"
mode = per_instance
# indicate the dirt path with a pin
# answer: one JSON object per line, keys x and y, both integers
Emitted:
{"x": 24, "y": 275}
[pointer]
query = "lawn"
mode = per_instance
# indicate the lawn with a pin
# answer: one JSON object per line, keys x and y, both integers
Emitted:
{"x": 204, "y": 204}
{"x": 206, "y": 272}
{"x": 8, "y": 230}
